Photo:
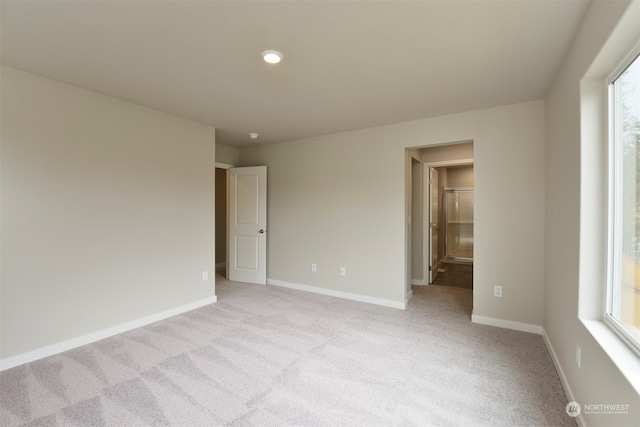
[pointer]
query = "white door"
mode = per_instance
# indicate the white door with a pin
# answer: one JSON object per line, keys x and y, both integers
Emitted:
{"x": 248, "y": 224}
{"x": 434, "y": 228}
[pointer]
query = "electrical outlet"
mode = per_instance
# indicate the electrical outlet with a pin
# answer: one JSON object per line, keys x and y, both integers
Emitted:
{"x": 314, "y": 267}
{"x": 205, "y": 276}
{"x": 497, "y": 291}
{"x": 578, "y": 355}
{"x": 343, "y": 271}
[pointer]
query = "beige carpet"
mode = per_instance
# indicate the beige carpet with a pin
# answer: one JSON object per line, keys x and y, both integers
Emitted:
{"x": 267, "y": 356}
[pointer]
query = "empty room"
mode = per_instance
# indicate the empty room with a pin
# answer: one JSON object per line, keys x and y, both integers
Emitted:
{"x": 250, "y": 213}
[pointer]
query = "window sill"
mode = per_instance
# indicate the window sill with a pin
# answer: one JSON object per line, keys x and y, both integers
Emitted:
{"x": 622, "y": 356}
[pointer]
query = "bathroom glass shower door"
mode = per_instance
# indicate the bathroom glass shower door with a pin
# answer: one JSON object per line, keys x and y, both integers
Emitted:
{"x": 459, "y": 224}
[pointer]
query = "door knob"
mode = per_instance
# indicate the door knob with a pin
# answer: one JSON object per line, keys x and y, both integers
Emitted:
{"x": 261, "y": 231}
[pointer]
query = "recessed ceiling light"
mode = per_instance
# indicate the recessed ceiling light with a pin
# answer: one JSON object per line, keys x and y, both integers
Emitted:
{"x": 272, "y": 56}
{"x": 253, "y": 135}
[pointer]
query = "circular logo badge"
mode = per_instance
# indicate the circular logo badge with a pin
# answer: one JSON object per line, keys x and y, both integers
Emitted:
{"x": 573, "y": 409}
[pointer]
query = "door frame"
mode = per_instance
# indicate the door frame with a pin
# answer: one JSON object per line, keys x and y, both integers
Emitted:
{"x": 226, "y": 167}
{"x": 426, "y": 253}
{"x": 429, "y": 274}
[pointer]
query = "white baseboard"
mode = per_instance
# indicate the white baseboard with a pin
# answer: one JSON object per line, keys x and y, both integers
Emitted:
{"x": 507, "y": 324}
{"x": 339, "y": 294}
{"x": 41, "y": 353}
{"x": 561, "y": 374}
{"x": 418, "y": 282}
{"x": 408, "y": 297}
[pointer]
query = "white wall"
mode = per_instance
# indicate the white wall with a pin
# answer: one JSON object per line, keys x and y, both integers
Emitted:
{"x": 575, "y": 253}
{"x": 107, "y": 212}
{"x": 448, "y": 153}
{"x": 460, "y": 177}
{"x": 339, "y": 200}
{"x": 228, "y": 155}
{"x": 416, "y": 217}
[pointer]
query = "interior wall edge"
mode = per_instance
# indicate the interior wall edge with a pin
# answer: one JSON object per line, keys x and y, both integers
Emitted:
{"x": 561, "y": 374}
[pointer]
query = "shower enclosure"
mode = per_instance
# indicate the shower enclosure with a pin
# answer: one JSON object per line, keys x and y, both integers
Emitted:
{"x": 458, "y": 213}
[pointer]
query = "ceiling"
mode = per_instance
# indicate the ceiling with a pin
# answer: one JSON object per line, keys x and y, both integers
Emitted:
{"x": 347, "y": 64}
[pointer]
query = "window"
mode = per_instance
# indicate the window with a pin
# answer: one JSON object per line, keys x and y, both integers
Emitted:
{"x": 623, "y": 291}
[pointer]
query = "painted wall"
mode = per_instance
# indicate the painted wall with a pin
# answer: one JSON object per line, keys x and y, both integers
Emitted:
{"x": 416, "y": 217}
{"x": 107, "y": 212}
{"x": 228, "y": 155}
{"x": 460, "y": 177}
{"x": 448, "y": 153}
{"x": 341, "y": 200}
{"x": 575, "y": 252}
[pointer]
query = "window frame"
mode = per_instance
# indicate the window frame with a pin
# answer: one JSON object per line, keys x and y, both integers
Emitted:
{"x": 614, "y": 195}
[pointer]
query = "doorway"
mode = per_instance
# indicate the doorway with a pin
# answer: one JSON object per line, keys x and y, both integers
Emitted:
{"x": 442, "y": 168}
{"x": 221, "y": 220}
{"x": 240, "y": 223}
{"x": 455, "y": 260}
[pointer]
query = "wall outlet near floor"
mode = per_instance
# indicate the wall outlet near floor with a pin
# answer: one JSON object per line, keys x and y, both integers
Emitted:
{"x": 343, "y": 271}
{"x": 314, "y": 267}
{"x": 578, "y": 355}
{"x": 205, "y": 276}
{"x": 497, "y": 291}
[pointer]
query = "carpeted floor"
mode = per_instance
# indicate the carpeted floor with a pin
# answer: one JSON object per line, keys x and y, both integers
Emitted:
{"x": 266, "y": 356}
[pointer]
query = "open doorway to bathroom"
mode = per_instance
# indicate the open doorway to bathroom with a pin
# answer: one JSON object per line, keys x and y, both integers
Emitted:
{"x": 443, "y": 236}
